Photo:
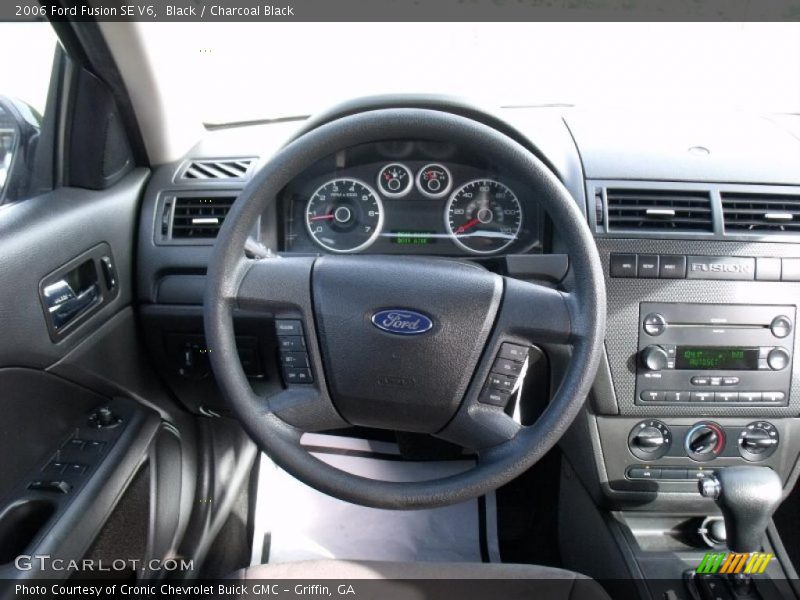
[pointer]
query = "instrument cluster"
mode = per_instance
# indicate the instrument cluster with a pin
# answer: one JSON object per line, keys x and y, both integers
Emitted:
{"x": 411, "y": 206}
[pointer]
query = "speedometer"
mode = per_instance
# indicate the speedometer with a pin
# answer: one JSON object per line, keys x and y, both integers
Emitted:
{"x": 483, "y": 216}
{"x": 344, "y": 215}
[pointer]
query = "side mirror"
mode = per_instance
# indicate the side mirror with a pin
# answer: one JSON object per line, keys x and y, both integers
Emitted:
{"x": 20, "y": 126}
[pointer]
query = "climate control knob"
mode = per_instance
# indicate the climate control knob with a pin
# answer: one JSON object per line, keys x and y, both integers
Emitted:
{"x": 649, "y": 440}
{"x": 654, "y": 358}
{"x": 758, "y": 441}
{"x": 705, "y": 441}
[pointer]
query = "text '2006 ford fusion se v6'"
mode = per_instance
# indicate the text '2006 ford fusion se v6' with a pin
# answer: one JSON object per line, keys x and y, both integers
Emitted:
{"x": 402, "y": 307}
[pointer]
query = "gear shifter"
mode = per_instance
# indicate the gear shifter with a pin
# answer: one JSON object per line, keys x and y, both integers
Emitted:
{"x": 747, "y": 497}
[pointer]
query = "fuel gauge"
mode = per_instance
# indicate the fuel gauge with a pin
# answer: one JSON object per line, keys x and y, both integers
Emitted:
{"x": 434, "y": 180}
{"x": 395, "y": 180}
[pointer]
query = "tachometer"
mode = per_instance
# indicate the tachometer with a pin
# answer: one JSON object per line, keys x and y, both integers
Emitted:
{"x": 483, "y": 216}
{"x": 344, "y": 215}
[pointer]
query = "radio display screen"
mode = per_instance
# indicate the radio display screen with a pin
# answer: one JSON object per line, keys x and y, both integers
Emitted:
{"x": 716, "y": 358}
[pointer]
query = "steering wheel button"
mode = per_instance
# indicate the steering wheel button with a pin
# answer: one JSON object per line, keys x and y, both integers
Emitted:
{"x": 494, "y": 397}
{"x": 294, "y": 359}
{"x": 291, "y": 343}
{"x": 513, "y": 352}
{"x": 291, "y": 376}
{"x": 507, "y": 367}
{"x": 501, "y": 382}
{"x": 288, "y": 327}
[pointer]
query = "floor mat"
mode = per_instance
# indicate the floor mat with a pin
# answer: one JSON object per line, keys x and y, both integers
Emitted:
{"x": 296, "y": 522}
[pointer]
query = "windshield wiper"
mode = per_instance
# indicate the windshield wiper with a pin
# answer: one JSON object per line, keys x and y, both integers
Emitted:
{"x": 232, "y": 124}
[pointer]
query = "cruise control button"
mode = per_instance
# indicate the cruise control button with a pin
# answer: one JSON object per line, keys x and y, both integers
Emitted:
{"x": 622, "y": 265}
{"x": 702, "y": 396}
{"x": 291, "y": 376}
{"x": 649, "y": 396}
{"x": 506, "y": 367}
{"x": 750, "y": 396}
{"x": 494, "y": 397}
{"x": 773, "y": 396}
{"x": 294, "y": 359}
{"x": 288, "y": 327}
{"x": 501, "y": 382}
{"x": 648, "y": 266}
{"x": 726, "y": 396}
{"x": 291, "y": 343}
{"x": 513, "y": 352}
{"x": 672, "y": 266}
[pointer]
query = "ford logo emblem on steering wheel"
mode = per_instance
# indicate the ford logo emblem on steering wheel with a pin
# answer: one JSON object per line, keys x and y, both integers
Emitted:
{"x": 402, "y": 321}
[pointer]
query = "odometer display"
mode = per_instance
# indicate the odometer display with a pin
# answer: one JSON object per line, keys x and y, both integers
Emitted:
{"x": 483, "y": 216}
{"x": 344, "y": 215}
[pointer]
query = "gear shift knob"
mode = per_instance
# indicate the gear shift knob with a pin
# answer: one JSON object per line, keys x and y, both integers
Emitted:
{"x": 747, "y": 497}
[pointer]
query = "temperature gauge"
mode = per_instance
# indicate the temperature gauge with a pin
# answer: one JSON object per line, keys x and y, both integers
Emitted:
{"x": 434, "y": 180}
{"x": 395, "y": 180}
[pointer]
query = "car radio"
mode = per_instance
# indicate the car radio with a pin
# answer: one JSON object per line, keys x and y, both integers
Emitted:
{"x": 714, "y": 353}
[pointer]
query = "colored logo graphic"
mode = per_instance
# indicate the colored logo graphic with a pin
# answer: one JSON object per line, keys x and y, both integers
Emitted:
{"x": 753, "y": 563}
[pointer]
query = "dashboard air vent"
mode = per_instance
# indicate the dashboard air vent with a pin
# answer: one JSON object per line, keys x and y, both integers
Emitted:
{"x": 236, "y": 169}
{"x": 761, "y": 213}
{"x": 658, "y": 210}
{"x": 199, "y": 217}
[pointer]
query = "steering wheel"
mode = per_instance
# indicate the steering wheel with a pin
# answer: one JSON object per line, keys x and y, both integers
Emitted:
{"x": 427, "y": 383}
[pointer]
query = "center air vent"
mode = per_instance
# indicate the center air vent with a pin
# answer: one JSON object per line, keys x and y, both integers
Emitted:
{"x": 658, "y": 210}
{"x": 761, "y": 213}
{"x": 234, "y": 169}
{"x": 199, "y": 217}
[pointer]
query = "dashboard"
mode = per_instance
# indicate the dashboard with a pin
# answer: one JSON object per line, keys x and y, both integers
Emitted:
{"x": 409, "y": 197}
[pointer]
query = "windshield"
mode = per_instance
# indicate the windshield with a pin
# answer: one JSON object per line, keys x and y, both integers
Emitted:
{"x": 240, "y": 71}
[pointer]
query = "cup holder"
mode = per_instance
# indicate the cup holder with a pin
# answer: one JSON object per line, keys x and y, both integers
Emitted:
{"x": 20, "y": 523}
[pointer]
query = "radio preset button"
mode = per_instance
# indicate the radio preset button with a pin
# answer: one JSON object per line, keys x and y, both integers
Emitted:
{"x": 654, "y": 324}
{"x": 702, "y": 396}
{"x": 726, "y": 396}
{"x": 773, "y": 396}
{"x": 750, "y": 396}
{"x": 677, "y": 396}
{"x": 778, "y": 359}
{"x": 781, "y": 326}
{"x": 648, "y": 396}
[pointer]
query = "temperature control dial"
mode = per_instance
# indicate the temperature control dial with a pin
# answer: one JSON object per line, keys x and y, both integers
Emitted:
{"x": 649, "y": 440}
{"x": 705, "y": 441}
{"x": 758, "y": 441}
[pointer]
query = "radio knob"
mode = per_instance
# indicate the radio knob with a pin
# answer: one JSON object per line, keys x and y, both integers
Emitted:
{"x": 654, "y": 358}
{"x": 781, "y": 326}
{"x": 654, "y": 324}
{"x": 778, "y": 359}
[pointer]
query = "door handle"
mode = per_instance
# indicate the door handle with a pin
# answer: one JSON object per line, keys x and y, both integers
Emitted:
{"x": 64, "y": 304}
